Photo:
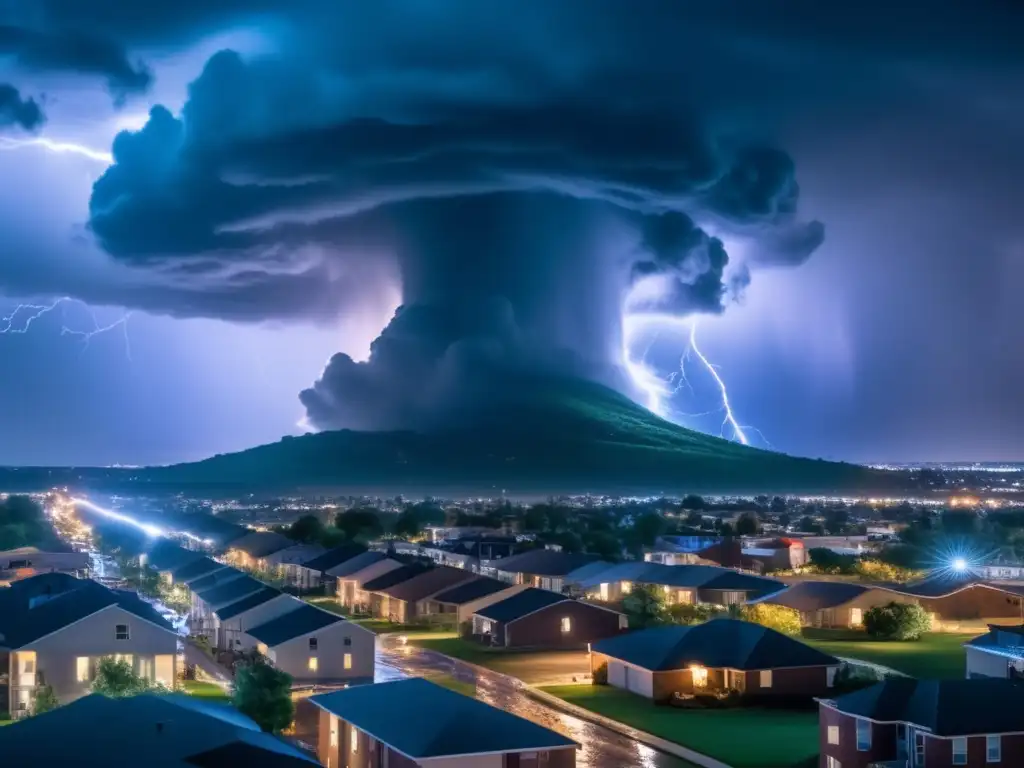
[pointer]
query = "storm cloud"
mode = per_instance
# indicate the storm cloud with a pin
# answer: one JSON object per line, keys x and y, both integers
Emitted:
{"x": 19, "y": 112}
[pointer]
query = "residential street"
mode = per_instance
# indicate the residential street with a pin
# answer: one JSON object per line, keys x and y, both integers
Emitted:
{"x": 601, "y": 748}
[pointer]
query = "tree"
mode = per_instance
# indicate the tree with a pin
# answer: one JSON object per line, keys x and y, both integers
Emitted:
{"x": 360, "y": 523}
{"x": 307, "y": 529}
{"x": 694, "y": 519}
{"x": 827, "y": 561}
{"x": 876, "y": 570}
{"x": 726, "y": 530}
{"x": 647, "y": 527}
{"x": 836, "y": 520}
{"x": 897, "y": 621}
{"x": 778, "y": 505}
{"x": 777, "y": 617}
{"x": 694, "y": 502}
{"x": 23, "y": 524}
{"x": 44, "y": 700}
{"x": 407, "y": 524}
{"x": 746, "y": 525}
{"x": 645, "y": 607}
{"x": 117, "y": 679}
{"x": 693, "y": 613}
{"x": 603, "y": 544}
{"x": 264, "y": 694}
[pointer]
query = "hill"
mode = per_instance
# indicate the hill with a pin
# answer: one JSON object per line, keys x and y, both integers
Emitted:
{"x": 564, "y": 436}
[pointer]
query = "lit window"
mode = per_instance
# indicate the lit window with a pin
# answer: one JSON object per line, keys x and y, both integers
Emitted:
{"x": 627, "y": 587}
{"x": 766, "y": 678}
{"x": 959, "y": 751}
{"x": 831, "y": 762}
{"x": 334, "y": 731}
{"x": 348, "y": 661}
{"x": 121, "y": 632}
{"x": 830, "y": 676}
{"x": 566, "y": 625}
{"x": 353, "y": 737}
{"x": 312, "y": 644}
{"x": 833, "y": 735}
{"x": 28, "y": 666}
{"x": 863, "y": 735}
{"x": 82, "y": 669}
{"x": 312, "y": 664}
{"x": 993, "y": 749}
{"x": 700, "y": 677}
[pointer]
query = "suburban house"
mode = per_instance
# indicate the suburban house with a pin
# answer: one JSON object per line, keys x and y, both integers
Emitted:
{"x": 252, "y": 550}
{"x": 352, "y": 576}
{"x": 781, "y": 554}
{"x": 719, "y": 654}
{"x": 924, "y": 724}
{"x": 207, "y": 601}
{"x": 408, "y": 599}
{"x": 539, "y": 618}
{"x": 999, "y": 653}
{"x": 168, "y": 731}
{"x": 165, "y": 556}
{"x": 215, "y": 578}
{"x": 682, "y": 584}
{"x": 695, "y": 550}
{"x": 317, "y": 571}
{"x": 296, "y": 554}
{"x": 413, "y": 722}
{"x": 231, "y": 621}
{"x": 835, "y": 603}
{"x": 456, "y": 606}
{"x": 54, "y": 628}
{"x": 470, "y": 552}
{"x": 192, "y": 570}
{"x": 544, "y": 568}
{"x": 315, "y": 646}
{"x": 25, "y": 562}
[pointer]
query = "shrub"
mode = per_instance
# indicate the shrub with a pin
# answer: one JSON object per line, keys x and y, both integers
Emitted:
{"x": 876, "y": 570}
{"x": 694, "y": 614}
{"x": 897, "y": 621}
{"x": 778, "y": 617}
{"x": 601, "y": 674}
{"x": 44, "y": 700}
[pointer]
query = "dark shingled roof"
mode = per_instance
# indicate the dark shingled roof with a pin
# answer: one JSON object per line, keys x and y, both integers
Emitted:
{"x": 806, "y": 596}
{"x": 945, "y": 707}
{"x": 391, "y": 578}
{"x": 334, "y": 557}
{"x": 221, "y": 576}
{"x": 544, "y": 562}
{"x": 247, "y": 603}
{"x": 941, "y": 585}
{"x": 717, "y": 643}
{"x": 262, "y": 543}
{"x": 303, "y": 620}
{"x": 195, "y": 569}
{"x": 28, "y": 613}
{"x": 425, "y": 584}
{"x": 521, "y": 604}
{"x": 472, "y": 590}
{"x": 357, "y": 563}
{"x": 236, "y": 589}
{"x": 165, "y": 555}
{"x": 423, "y": 720}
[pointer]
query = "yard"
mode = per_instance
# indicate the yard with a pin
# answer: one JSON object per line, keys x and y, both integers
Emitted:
{"x": 532, "y": 667}
{"x": 936, "y": 655}
{"x": 743, "y": 738}
{"x": 207, "y": 691}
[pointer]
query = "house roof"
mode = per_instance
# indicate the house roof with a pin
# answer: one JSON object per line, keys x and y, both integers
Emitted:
{"x": 165, "y": 555}
{"x": 161, "y": 731}
{"x": 396, "y": 576}
{"x": 195, "y": 569}
{"x": 423, "y": 585}
{"x": 236, "y": 589}
{"x": 945, "y": 707}
{"x": 262, "y": 543}
{"x": 212, "y": 579}
{"x": 334, "y": 557}
{"x": 584, "y": 571}
{"x": 393, "y": 713}
{"x": 692, "y": 576}
{"x": 520, "y": 604}
{"x": 355, "y": 564}
{"x": 471, "y": 590}
{"x": 544, "y": 562}
{"x": 717, "y": 643}
{"x": 29, "y": 612}
{"x": 806, "y": 596}
{"x": 303, "y": 620}
{"x": 247, "y": 603}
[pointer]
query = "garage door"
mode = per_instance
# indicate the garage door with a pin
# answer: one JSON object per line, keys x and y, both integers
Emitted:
{"x": 640, "y": 681}
{"x": 616, "y": 674}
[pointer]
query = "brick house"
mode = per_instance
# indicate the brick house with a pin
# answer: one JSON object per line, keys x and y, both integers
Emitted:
{"x": 413, "y": 722}
{"x": 835, "y": 603}
{"x": 924, "y": 724}
{"x": 716, "y": 655}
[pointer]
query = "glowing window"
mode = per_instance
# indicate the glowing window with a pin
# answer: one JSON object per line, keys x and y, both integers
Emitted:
{"x": 566, "y": 624}
{"x": 348, "y": 661}
{"x": 700, "y": 677}
{"x": 82, "y": 669}
{"x": 353, "y": 737}
{"x": 766, "y": 678}
{"x": 627, "y": 587}
{"x": 833, "y": 734}
{"x": 313, "y": 664}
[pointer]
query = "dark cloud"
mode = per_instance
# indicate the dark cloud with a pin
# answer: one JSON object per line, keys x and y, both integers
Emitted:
{"x": 18, "y": 112}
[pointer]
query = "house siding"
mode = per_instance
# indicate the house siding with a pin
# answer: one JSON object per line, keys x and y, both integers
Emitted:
{"x": 231, "y": 633}
{"x": 543, "y": 629}
{"x": 350, "y": 588}
{"x": 842, "y": 615}
{"x": 56, "y": 654}
{"x": 982, "y": 664}
{"x": 292, "y": 656}
{"x": 974, "y": 604}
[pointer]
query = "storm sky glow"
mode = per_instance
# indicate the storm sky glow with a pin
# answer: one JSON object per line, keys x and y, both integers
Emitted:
{"x": 513, "y": 177}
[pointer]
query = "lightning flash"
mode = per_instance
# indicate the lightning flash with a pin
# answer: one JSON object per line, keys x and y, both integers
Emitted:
{"x": 57, "y": 148}
{"x": 20, "y": 321}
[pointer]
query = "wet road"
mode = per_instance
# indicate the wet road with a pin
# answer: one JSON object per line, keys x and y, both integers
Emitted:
{"x": 601, "y": 748}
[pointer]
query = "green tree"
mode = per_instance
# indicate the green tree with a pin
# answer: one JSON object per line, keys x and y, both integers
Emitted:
{"x": 897, "y": 621}
{"x": 694, "y": 502}
{"x": 307, "y": 529}
{"x": 693, "y": 613}
{"x": 116, "y": 678}
{"x": 777, "y": 617}
{"x": 647, "y": 527}
{"x": 747, "y": 525}
{"x": 827, "y": 561}
{"x": 836, "y": 520}
{"x": 360, "y": 523}
{"x": 645, "y": 607}
{"x": 264, "y": 694}
{"x": 603, "y": 544}
{"x": 408, "y": 524}
{"x": 44, "y": 700}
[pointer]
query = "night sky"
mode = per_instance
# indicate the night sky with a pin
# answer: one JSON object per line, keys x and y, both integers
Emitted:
{"x": 239, "y": 195}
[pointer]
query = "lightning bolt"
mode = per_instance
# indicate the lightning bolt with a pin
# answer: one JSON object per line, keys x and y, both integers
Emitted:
{"x": 729, "y": 418}
{"x": 57, "y": 147}
{"x": 24, "y": 315}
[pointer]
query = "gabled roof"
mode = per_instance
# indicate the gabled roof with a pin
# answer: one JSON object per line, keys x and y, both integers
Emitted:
{"x": 945, "y": 707}
{"x": 544, "y": 562}
{"x": 302, "y": 621}
{"x": 423, "y": 720}
{"x": 165, "y": 555}
{"x": 806, "y": 596}
{"x": 236, "y": 589}
{"x": 262, "y": 543}
{"x": 28, "y": 613}
{"x": 425, "y": 584}
{"x": 212, "y": 579}
{"x": 393, "y": 577}
{"x": 334, "y": 557}
{"x": 692, "y": 576}
{"x": 162, "y": 730}
{"x": 195, "y": 569}
{"x": 356, "y": 564}
{"x": 471, "y": 590}
{"x": 717, "y": 643}
{"x": 520, "y": 604}
{"x": 247, "y": 603}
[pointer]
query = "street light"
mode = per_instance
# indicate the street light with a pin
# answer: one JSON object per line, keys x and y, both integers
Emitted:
{"x": 959, "y": 564}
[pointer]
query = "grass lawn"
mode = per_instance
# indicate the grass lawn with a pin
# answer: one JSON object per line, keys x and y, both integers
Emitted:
{"x": 529, "y": 666}
{"x": 939, "y": 654}
{"x": 207, "y": 691}
{"x": 381, "y": 626}
{"x": 328, "y": 604}
{"x": 743, "y": 738}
